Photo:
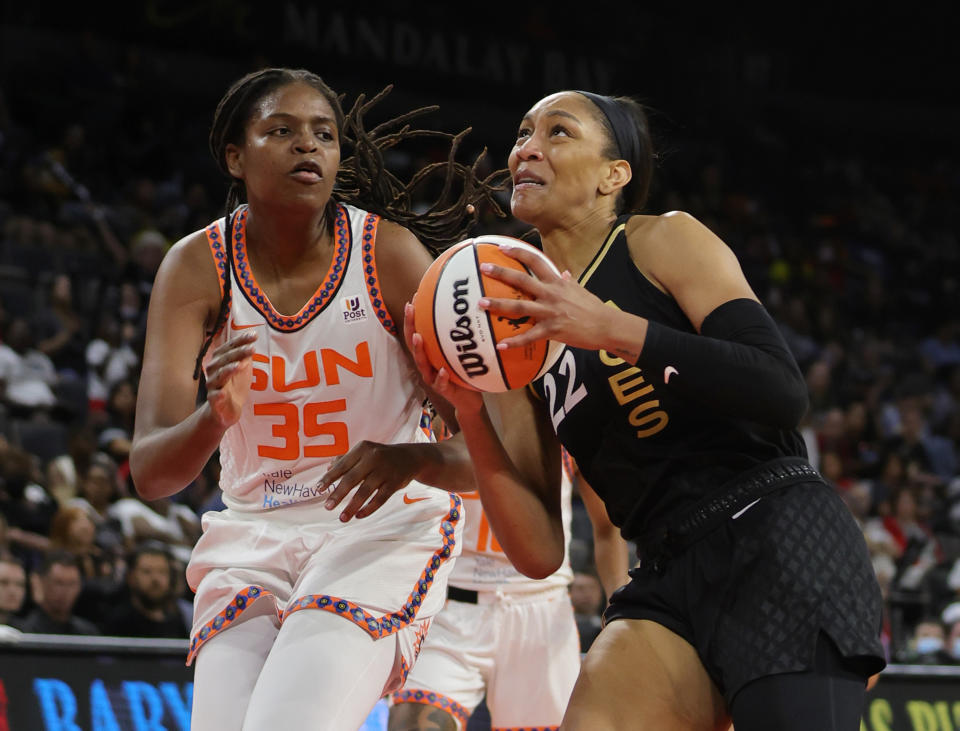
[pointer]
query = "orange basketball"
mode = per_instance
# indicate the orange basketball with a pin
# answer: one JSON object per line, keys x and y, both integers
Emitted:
{"x": 462, "y": 338}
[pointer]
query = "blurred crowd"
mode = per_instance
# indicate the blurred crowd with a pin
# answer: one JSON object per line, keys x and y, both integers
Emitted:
{"x": 854, "y": 252}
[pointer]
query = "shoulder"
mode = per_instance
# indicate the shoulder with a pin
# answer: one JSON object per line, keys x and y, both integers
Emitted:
{"x": 674, "y": 242}
{"x": 189, "y": 253}
{"x": 399, "y": 250}
{"x": 667, "y": 228}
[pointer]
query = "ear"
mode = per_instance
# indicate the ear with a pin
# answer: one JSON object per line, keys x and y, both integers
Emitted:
{"x": 234, "y": 159}
{"x": 617, "y": 176}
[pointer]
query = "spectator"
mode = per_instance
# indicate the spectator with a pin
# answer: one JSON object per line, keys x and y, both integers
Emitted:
{"x": 61, "y": 330}
{"x": 13, "y": 589}
{"x": 27, "y": 376}
{"x": 953, "y": 643}
{"x": 110, "y": 359}
{"x": 916, "y": 544}
{"x": 65, "y": 471}
{"x": 71, "y": 530}
{"x": 586, "y": 595}
{"x": 928, "y": 645}
{"x": 150, "y": 609}
{"x": 27, "y": 507}
{"x": 98, "y": 491}
{"x": 57, "y": 587}
{"x": 158, "y": 520}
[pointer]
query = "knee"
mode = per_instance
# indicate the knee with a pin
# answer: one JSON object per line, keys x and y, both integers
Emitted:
{"x": 420, "y": 717}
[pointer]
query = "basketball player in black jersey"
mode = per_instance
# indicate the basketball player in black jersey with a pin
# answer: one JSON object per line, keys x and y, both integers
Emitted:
{"x": 754, "y": 599}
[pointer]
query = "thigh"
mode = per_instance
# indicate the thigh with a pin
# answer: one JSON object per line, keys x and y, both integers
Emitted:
{"x": 228, "y": 667}
{"x": 640, "y": 675}
{"x": 537, "y": 663}
{"x": 323, "y": 673}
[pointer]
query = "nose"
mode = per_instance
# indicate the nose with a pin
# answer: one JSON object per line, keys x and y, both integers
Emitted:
{"x": 305, "y": 141}
{"x": 529, "y": 148}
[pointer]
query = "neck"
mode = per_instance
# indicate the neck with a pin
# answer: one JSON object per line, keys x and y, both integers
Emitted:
{"x": 572, "y": 247}
{"x": 288, "y": 235}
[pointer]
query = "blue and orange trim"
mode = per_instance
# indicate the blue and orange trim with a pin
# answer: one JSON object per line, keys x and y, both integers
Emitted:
{"x": 369, "y": 240}
{"x": 321, "y": 298}
{"x": 376, "y": 627}
{"x": 437, "y": 700}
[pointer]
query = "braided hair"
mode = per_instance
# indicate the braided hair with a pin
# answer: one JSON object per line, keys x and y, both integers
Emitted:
{"x": 362, "y": 178}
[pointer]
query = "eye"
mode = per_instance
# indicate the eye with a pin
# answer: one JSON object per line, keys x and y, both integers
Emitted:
{"x": 279, "y": 131}
{"x": 523, "y": 132}
{"x": 325, "y": 135}
{"x": 558, "y": 130}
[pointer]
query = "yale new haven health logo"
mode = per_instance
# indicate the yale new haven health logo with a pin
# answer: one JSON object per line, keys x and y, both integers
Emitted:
{"x": 352, "y": 309}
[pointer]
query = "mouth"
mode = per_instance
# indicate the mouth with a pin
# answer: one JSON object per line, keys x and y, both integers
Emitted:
{"x": 307, "y": 171}
{"x": 526, "y": 180}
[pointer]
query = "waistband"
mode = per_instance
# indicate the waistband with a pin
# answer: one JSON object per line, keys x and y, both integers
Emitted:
{"x": 688, "y": 526}
{"x": 496, "y": 595}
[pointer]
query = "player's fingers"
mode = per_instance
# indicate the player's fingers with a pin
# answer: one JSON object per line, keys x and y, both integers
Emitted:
{"x": 519, "y": 280}
{"x": 228, "y": 356}
{"x": 541, "y": 269}
{"x": 363, "y": 493}
{"x": 217, "y": 377}
{"x": 532, "y": 335}
{"x": 339, "y": 467}
{"x": 350, "y": 480}
{"x": 409, "y": 324}
{"x": 377, "y": 501}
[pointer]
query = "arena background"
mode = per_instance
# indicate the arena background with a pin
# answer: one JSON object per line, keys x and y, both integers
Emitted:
{"x": 759, "y": 96}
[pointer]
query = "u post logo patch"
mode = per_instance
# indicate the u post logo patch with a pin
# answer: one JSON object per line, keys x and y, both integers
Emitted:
{"x": 352, "y": 309}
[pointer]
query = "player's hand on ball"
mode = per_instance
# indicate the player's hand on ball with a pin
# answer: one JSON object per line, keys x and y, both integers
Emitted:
{"x": 377, "y": 471}
{"x": 464, "y": 400}
{"x": 229, "y": 374}
{"x": 561, "y": 309}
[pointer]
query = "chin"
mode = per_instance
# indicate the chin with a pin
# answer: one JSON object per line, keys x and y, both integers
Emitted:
{"x": 525, "y": 210}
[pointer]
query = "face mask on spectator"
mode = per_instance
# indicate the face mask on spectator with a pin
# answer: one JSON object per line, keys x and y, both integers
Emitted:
{"x": 926, "y": 645}
{"x": 955, "y": 650}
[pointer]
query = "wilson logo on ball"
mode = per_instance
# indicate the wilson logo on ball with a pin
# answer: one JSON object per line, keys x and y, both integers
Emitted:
{"x": 462, "y": 338}
{"x": 462, "y": 335}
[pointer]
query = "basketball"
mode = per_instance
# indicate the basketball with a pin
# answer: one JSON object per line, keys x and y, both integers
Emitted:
{"x": 462, "y": 338}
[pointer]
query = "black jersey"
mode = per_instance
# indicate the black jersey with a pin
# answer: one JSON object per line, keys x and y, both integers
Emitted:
{"x": 645, "y": 449}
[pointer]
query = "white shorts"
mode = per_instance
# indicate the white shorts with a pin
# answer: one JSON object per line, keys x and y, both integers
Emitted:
{"x": 522, "y": 650}
{"x": 383, "y": 573}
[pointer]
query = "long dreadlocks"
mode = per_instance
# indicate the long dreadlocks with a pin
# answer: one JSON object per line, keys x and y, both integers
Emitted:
{"x": 362, "y": 178}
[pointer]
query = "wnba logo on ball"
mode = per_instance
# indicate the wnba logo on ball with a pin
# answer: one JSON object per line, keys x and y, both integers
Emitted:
{"x": 352, "y": 311}
{"x": 462, "y": 335}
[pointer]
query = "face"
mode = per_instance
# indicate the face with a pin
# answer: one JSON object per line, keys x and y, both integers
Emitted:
{"x": 150, "y": 579}
{"x": 61, "y": 587}
{"x": 13, "y": 587}
{"x": 291, "y": 150}
{"x": 557, "y": 163}
{"x": 98, "y": 486}
{"x": 586, "y": 594}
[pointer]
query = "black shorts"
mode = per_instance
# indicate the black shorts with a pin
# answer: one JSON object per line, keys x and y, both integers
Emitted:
{"x": 753, "y": 595}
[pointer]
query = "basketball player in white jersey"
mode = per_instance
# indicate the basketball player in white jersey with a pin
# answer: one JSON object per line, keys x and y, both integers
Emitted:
{"x": 502, "y": 634}
{"x": 302, "y": 618}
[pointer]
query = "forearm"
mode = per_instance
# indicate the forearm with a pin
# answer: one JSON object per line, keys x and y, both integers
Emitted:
{"x": 530, "y": 533}
{"x": 739, "y": 365}
{"x": 611, "y": 556}
{"x": 167, "y": 459}
{"x": 446, "y": 465}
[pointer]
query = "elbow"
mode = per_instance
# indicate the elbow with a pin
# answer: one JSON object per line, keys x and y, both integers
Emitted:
{"x": 147, "y": 485}
{"x": 540, "y": 565}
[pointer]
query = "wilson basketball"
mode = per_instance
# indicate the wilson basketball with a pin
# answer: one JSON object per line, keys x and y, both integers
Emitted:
{"x": 462, "y": 338}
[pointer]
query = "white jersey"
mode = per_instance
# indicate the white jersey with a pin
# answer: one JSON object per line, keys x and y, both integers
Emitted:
{"x": 322, "y": 377}
{"x": 483, "y": 566}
